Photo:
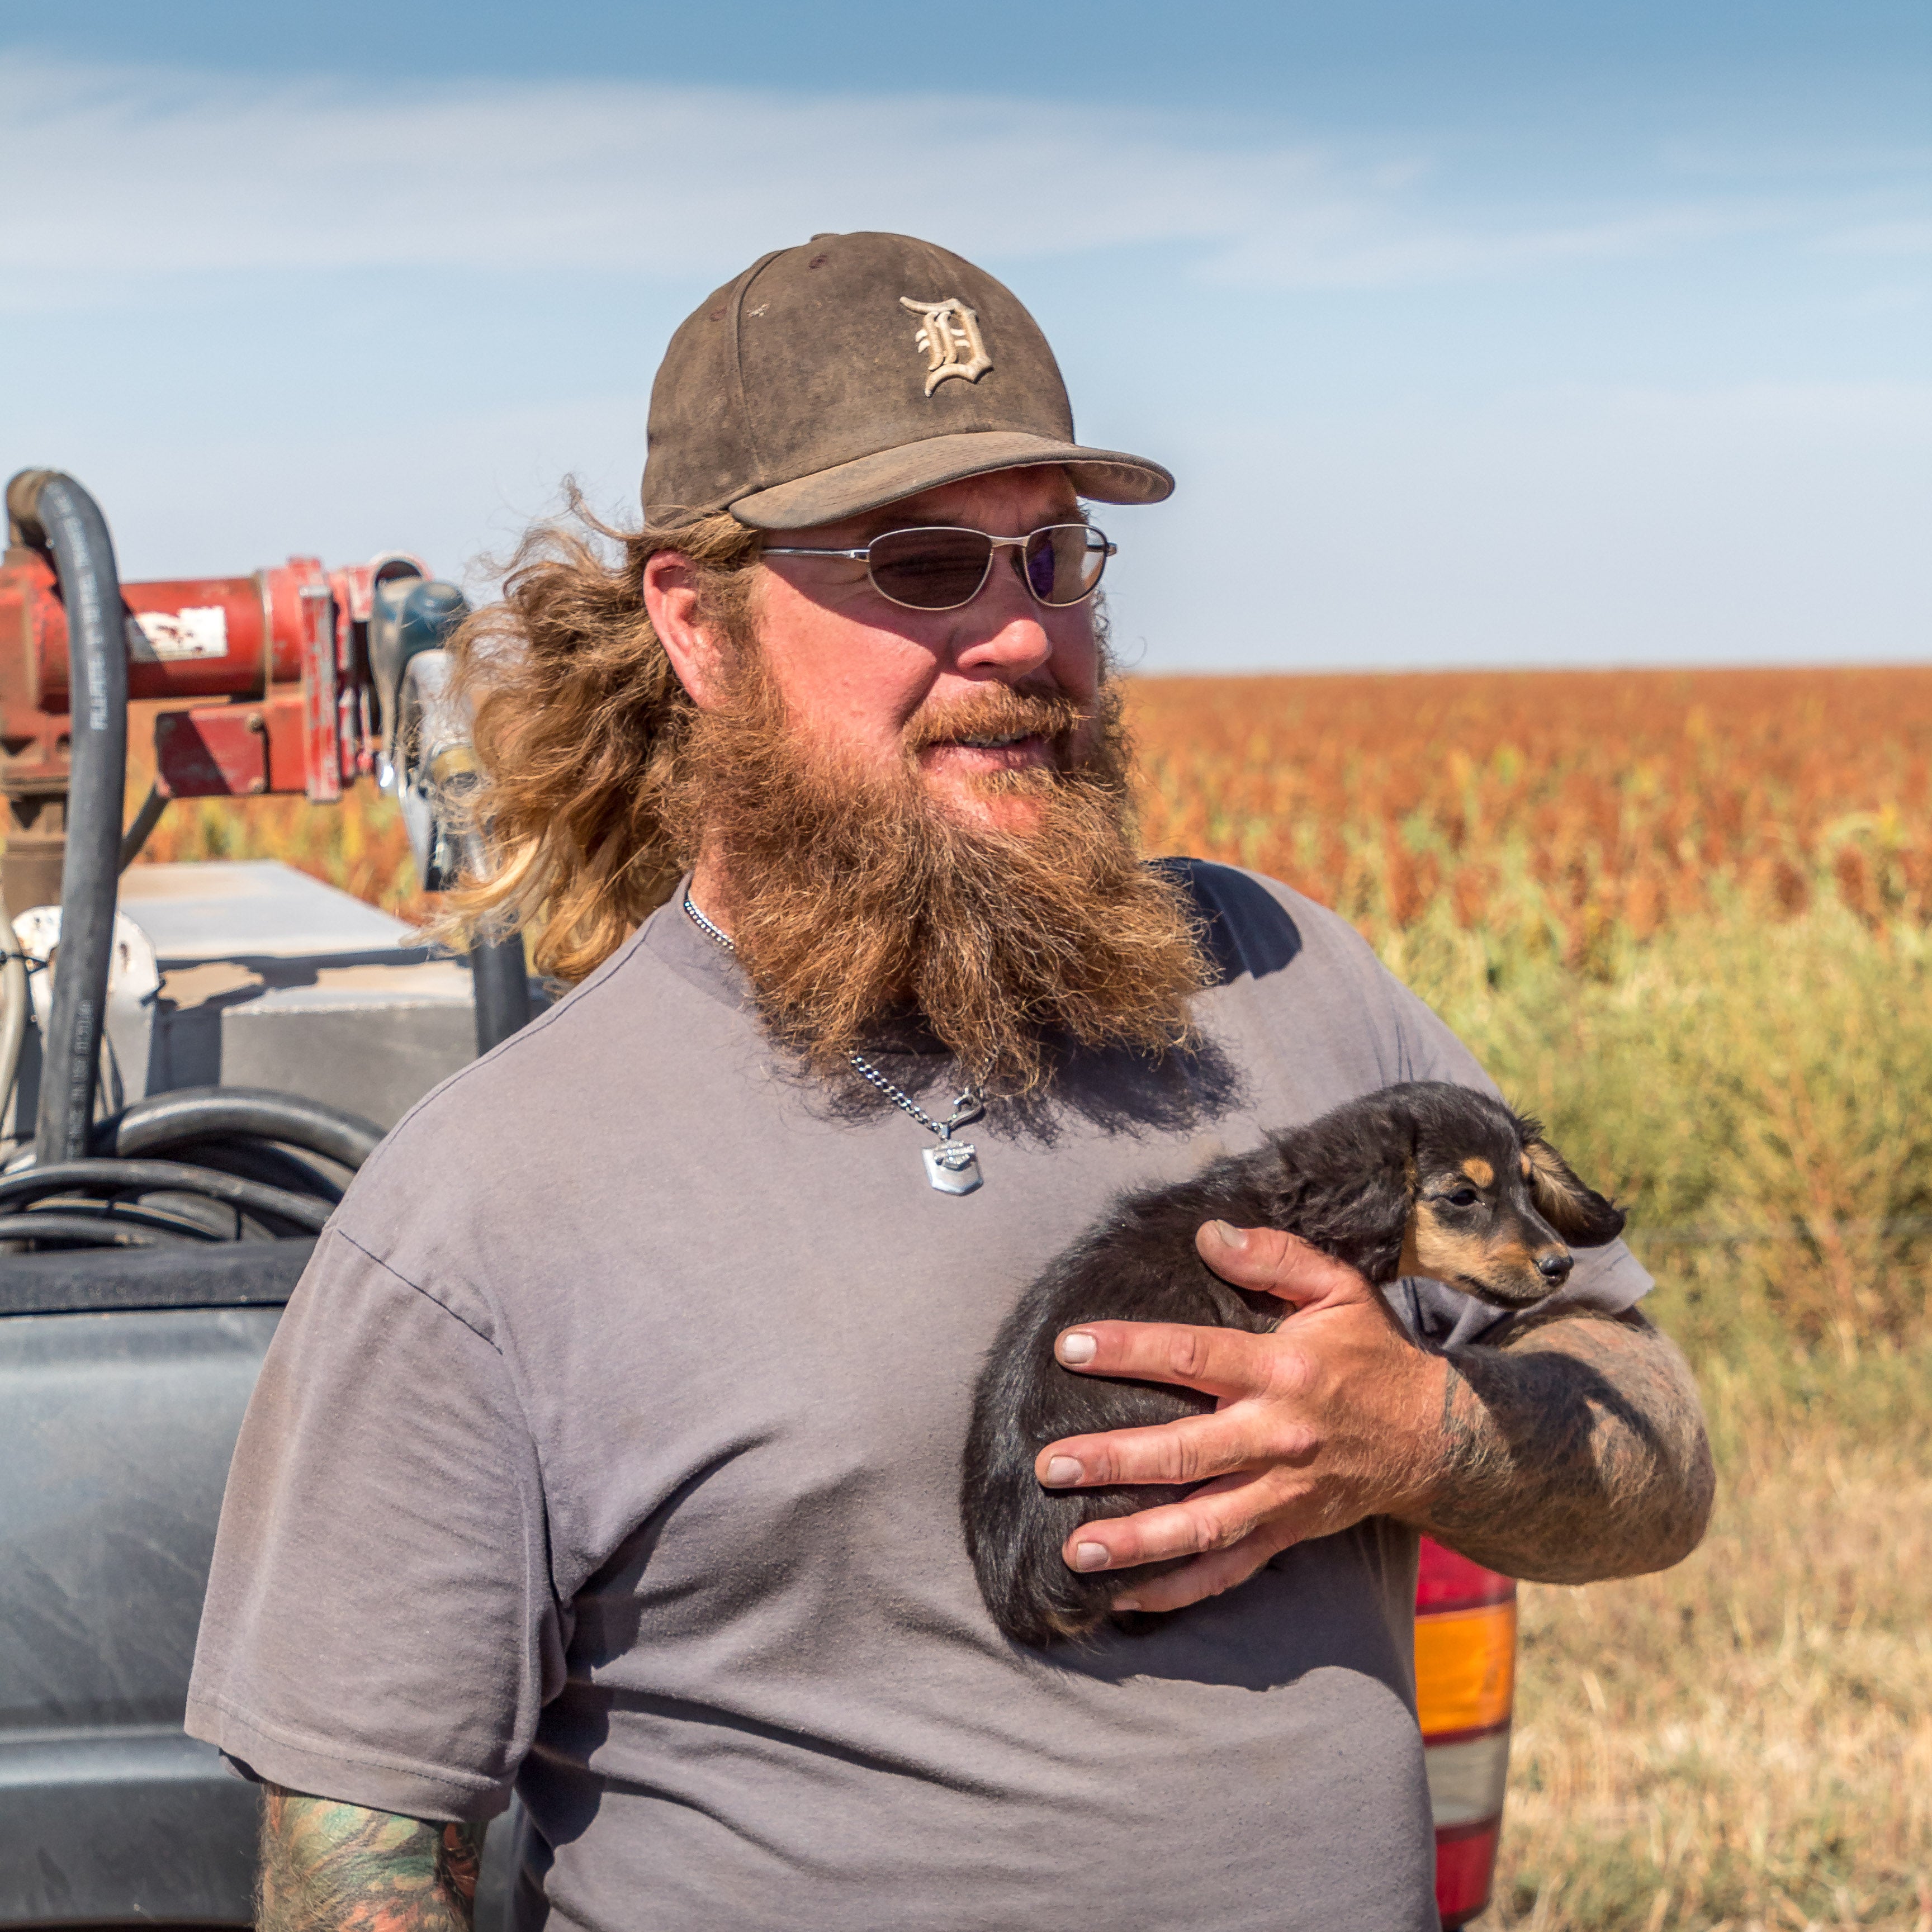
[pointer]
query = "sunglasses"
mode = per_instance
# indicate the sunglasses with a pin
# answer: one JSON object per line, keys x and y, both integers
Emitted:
{"x": 943, "y": 568}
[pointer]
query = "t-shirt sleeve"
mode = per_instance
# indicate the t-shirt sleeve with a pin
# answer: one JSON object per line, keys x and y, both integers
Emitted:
{"x": 1605, "y": 1280}
{"x": 380, "y": 1627}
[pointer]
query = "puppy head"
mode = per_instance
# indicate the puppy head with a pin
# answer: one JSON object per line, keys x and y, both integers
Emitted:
{"x": 1494, "y": 1207}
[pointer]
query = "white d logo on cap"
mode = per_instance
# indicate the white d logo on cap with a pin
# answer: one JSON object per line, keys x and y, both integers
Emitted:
{"x": 951, "y": 339}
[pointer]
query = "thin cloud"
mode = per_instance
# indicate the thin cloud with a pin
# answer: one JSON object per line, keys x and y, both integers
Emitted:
{"x": 123, "y": 179}
{"x": 163, "y": 173}
{"x": 1380, "y": 248}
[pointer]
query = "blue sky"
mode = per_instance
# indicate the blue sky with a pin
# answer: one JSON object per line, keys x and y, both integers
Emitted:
{"x": 1480, "y": 333}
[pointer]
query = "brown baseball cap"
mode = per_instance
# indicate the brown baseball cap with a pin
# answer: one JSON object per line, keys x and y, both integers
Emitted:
{"x": 831, "y": 378}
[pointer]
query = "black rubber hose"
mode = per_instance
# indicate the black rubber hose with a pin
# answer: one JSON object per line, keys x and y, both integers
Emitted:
{"x": 55, "y": 510}
{"x": 500, "y": 983}
{"x": 85, "y": 1230}
{"x": 87, "y": 1176}
{"x": 138, "y": 834}
{"x": 257, "y": 1160}
{"x": 186, "y": 1114}
{"x": 211, "y": 1221}
{"x": 500, "y": 987}
{"x": 172, "y": 1222}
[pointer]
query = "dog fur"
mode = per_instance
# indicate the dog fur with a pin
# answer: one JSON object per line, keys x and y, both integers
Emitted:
{"x": 1425, "y": 1178}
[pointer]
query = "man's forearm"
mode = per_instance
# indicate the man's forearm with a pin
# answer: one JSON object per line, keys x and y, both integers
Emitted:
{"x": 332, "y": 1868}
{"x": 1575, "y": 1452}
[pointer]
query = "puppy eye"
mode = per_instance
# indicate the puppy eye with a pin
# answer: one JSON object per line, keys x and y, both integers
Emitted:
{"x": 1464, "y": 1197}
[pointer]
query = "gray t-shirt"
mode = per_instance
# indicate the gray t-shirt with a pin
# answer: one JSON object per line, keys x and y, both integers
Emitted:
{"x": 610, "y": 1448}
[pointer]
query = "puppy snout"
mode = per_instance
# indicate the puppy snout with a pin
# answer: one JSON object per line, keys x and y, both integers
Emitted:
{"x": 1554, "y": 1267}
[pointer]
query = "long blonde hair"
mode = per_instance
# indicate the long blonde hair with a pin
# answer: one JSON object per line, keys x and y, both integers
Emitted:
{"x": 580, "y": 722}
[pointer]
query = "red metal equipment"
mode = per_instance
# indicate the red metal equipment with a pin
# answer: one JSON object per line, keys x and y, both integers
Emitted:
{"x": 282, "y": 655}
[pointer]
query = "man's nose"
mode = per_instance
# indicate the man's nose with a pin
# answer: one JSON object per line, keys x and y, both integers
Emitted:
{"x": 1017, "y": 645}
{"x": 1555, "y": 1266}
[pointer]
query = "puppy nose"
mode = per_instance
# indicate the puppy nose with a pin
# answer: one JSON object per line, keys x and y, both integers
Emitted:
{"x": 1555, "y": 1268}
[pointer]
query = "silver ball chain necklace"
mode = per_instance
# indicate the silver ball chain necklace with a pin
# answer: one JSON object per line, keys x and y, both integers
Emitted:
{"x": 953, "y": 1166}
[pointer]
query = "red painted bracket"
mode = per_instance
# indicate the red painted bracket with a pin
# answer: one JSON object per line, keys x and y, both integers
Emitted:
{"x": 231, "y": 751}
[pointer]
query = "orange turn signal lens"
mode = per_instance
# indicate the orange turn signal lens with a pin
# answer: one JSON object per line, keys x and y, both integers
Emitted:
{"x": 1465, "y": 1668}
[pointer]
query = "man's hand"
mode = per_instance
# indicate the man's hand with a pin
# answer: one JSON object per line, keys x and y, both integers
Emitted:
{"x": 327, "y": 1867}
{"x": 1334, "y": 1416}
{"x": 1576, "y": 1452}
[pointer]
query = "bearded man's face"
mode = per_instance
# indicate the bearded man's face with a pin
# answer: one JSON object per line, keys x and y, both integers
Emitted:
{"x": 866, "y": 679}
{"x": 900, "y": 810}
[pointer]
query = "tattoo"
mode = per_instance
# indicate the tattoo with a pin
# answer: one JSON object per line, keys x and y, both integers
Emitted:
{"x": 1576, "y": 1451}
{"x": 327, "y": 1867}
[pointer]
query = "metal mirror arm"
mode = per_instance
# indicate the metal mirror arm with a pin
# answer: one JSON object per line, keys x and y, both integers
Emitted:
{"x": 432, "y": 766}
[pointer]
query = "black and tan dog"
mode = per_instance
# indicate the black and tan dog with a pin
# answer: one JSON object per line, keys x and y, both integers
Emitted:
{"x": 1422, "y": 1179}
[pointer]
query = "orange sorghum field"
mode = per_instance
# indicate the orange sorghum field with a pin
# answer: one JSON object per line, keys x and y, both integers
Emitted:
{"x": 1555, "y": 806}
{"x": 1559, "y": 805}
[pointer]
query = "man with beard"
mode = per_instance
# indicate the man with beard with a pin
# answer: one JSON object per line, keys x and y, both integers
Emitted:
{"x": 609, "y": 1451}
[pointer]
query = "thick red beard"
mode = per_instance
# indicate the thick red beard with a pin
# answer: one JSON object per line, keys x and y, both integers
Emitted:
{"x": 855, "y": 896}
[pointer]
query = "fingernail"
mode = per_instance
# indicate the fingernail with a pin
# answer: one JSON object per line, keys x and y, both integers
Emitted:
{"x": 1125, "y": 1604}
{"x": 1230, "y": 1237}
{"x": 1061, "y": 1470}
{"x": 1075, "y": 1349}
{"x": 1090, "y": 1556}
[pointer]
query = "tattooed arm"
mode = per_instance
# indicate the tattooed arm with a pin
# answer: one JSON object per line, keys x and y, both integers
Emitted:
{"x": 1575, "y": 1452}
{"x": 327, "y": 1867}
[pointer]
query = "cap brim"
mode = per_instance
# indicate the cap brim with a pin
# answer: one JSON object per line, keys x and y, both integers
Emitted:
{"x": 870, "y": 482}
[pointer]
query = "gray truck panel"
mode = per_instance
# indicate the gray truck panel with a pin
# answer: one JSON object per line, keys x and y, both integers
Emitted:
{"x": 141, "y": 1823}
{"x": 123, "y": 1378}
{"x": 230, "y": 1275}
{"x": 116, "y": 1434}
{"x": 116, "y": 1429}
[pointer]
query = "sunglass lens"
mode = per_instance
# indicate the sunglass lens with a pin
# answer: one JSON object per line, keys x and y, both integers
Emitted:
{"x": 1063, "y": 563}
{"x": 930, "y": 570}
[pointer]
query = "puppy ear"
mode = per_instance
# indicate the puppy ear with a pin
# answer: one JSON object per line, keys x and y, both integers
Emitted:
{"x": 1580, "y": 1215}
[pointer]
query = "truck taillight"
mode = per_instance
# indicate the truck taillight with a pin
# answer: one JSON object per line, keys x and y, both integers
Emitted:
{"x": 1465, "y": 1685}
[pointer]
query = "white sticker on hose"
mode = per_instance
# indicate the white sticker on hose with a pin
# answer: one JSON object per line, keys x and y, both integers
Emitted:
{"x": 163, "y": 637}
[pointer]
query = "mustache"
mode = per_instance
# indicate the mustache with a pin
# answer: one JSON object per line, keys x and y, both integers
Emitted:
{"x": 996, "y": 711}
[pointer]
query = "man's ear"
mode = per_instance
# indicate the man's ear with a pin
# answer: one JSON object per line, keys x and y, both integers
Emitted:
{"x": 674, "y": 605}
{"x": 1580, "y": 1215}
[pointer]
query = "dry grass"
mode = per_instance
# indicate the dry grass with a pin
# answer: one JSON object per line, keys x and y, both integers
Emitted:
{"x": 1746, "y": 1741}
{"x": 1752, "y": 1089}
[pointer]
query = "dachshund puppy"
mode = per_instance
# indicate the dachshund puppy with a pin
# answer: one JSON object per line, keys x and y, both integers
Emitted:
{"x": 1426, "y": 1178}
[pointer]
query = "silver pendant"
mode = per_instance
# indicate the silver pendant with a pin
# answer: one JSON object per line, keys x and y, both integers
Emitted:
{"x": 953, "y": 1168}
